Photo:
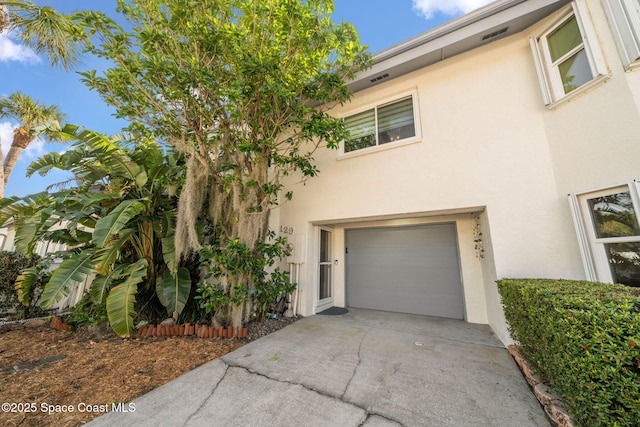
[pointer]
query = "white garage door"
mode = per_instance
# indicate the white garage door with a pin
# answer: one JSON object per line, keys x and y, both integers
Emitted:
{"x": 405, "y": 269}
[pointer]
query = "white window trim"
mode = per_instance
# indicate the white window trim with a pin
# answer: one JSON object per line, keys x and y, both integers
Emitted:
{"x": 389, "y": 145}
{"x": 592, "y": 250}
{"x": 552, "y": 90}
{"x": 624, "y": 30}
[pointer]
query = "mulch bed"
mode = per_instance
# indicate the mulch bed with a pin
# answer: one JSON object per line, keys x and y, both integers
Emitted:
{"x": 45, "y": 370}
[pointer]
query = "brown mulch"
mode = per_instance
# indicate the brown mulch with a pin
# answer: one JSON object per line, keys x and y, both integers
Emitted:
{"x": 42, "y": 369}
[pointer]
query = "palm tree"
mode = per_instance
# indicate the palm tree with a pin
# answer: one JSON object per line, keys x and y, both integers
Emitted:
{"x": 35, "y": 120}
{"x": 44, "y": 29}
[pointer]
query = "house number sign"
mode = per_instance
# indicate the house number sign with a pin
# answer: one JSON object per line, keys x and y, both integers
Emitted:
{"x": 286, "y": 230}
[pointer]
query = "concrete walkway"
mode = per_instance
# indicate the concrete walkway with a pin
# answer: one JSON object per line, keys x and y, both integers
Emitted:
{"x": 365, "y": 368}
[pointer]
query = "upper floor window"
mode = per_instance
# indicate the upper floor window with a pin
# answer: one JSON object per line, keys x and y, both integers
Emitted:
{"x": 382, "y": 124}
{"x": 624, "y": 18}
{"x": 567, "y": 54}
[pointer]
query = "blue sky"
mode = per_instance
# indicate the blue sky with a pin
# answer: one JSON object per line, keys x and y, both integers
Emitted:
{"x": 380, "y": 23}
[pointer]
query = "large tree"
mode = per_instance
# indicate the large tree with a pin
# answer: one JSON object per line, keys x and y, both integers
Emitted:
{"x": 34, "y": 119}
{"x": 44, "y": 29}
{"x": 242, "y": 89}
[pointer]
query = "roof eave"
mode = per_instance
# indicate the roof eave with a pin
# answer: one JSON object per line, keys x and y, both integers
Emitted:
{"x": 494, "y": 21}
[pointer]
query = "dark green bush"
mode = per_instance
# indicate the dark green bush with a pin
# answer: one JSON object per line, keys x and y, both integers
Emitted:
{"x": 11, "y": 265}
{"x": 583, "y": 339}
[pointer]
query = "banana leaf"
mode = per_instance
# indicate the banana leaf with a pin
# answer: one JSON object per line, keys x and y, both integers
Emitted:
{"x": 118, "y": 219}
{"x": 71, "y": 271}
{"x": 122, "y": 298}
{"x": 173, "y": 289}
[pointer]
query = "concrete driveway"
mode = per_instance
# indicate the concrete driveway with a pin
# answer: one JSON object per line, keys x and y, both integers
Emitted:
{"x": 364, "y": 368}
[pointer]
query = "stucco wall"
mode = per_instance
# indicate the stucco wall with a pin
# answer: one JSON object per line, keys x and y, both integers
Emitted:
{"x": 594, "y": 138}
{"x": 488, "y": 145}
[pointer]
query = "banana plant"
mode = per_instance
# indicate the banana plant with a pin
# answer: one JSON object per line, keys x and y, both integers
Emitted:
{"x": 117, "y": 219}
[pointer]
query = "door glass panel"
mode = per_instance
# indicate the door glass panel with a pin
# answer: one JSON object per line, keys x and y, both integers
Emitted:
{"x": 614, "y": 215}
{"x": 325, "y": 246}
{"x": 624, "y": 259}
{"x": 324, "y": 282}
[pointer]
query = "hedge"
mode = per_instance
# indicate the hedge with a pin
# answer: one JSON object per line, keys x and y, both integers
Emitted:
{"x": 583, "y": 339}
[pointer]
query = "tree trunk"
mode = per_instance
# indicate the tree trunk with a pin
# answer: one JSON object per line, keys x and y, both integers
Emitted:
{"x": 21, "y": 140}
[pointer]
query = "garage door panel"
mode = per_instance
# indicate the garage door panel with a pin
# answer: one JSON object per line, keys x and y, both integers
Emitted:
{"x": 409, "y": 269}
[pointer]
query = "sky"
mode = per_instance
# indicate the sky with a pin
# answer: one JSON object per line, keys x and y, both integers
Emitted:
{"x": 380, "y": 24}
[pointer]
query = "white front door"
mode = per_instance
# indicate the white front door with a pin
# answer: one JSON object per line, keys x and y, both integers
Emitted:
{"x": 325, "y": 270}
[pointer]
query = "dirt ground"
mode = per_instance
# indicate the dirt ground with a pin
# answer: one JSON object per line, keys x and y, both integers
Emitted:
{"x": 48, "y": 377}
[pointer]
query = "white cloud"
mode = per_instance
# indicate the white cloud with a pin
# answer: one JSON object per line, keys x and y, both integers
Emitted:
{"x": 10, "y": 50}
{"x": 6, "y": 134}
{"x": 428, "y": 8}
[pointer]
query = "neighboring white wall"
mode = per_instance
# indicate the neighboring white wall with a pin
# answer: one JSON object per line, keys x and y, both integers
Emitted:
{"x": 7, "y": 235}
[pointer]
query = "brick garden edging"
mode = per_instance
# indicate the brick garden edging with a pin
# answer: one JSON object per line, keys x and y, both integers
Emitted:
{"x": 550, "y": 401}
{"x": 200, "y": 331}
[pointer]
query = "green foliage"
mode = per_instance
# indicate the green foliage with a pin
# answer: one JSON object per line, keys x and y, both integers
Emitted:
{"x": 87, "y": 312}
{"x": 72, "y": 270}
{"x": 173, "y": 290}
{"x": 235, "y": 259}
{"x": 30, "y": 273}
{"x": 584, "y": 339}
{"x": 115, "y": 220}
{"x": 267, "y": 293}
{"x": 122, "y": 298}
{"x": 243, "y": 90}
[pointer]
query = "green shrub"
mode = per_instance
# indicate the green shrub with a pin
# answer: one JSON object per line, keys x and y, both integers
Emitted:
{"x": 87, "y": 312}
{"x": 12, "y": 264}
{"x": 583, "y": 339}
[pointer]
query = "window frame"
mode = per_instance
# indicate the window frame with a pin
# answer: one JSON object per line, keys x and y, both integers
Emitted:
{"x": 624, "y": 20}
{"x": 592, "y": 248}
{"x": 549, "y": 78}
{"x": 413, "y": 94}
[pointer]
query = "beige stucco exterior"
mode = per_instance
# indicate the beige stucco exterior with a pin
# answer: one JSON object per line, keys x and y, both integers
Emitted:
{"x": 489, "y": 152}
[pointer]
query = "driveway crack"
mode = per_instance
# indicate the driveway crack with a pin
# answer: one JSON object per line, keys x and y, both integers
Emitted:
{"x": 206, "y": 399}
{"x": 373, "y": 414}
{"x": 367, "y": 411}
{"x": 355, "y": 369}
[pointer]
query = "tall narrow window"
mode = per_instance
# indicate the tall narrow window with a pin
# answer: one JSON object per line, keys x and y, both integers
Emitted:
{"x": 381, "y": 125}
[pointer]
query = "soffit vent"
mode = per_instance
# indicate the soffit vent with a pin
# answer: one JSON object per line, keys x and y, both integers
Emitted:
{"x": 495, "y": 33}
{"x": 377, "y": 79}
